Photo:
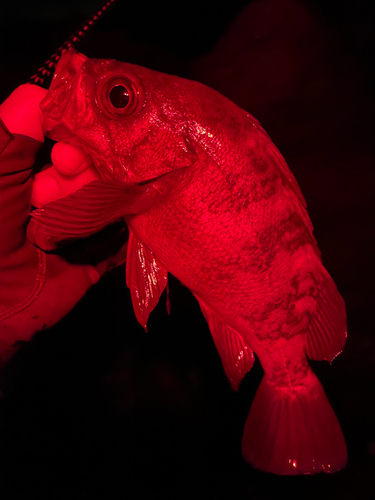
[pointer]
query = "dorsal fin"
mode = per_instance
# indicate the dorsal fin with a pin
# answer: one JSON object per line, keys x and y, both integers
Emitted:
{"x": 294, "y": 190}
{"x": 327, "y": 324}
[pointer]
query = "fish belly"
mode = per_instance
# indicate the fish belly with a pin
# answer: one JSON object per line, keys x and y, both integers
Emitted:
{"x": 262, "y": 287}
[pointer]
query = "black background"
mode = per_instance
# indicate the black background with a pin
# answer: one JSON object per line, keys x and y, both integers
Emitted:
{"x": 96, "y": 407}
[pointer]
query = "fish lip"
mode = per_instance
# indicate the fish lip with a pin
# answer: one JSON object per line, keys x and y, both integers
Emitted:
{"x": 60, "y": 133}
{"x": 63, "y": 88}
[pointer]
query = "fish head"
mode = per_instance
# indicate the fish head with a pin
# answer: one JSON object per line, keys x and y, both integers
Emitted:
{"x": 132, "y": 121}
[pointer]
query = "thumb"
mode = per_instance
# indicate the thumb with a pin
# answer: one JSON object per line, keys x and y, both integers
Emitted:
{"x": 21, "y": 112}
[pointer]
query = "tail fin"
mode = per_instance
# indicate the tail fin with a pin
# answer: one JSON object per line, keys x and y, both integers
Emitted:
{"x": 293, "y": 432}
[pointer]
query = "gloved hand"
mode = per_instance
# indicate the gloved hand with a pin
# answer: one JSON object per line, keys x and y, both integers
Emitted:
{"x": 37, "y": 289}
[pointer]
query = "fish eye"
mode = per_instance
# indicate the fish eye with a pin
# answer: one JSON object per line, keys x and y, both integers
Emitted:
{"x": 119, "y": 96}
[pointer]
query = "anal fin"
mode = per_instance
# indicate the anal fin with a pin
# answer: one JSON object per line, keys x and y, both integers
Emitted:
{"x": 236, "y": 355}
{"x": 146, "y": 277}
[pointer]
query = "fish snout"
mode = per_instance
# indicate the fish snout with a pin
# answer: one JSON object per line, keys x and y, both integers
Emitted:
{"x": 63, "y": 87}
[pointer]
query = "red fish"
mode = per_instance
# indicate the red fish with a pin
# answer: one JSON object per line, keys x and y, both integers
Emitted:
{"x": 208, "y": 198}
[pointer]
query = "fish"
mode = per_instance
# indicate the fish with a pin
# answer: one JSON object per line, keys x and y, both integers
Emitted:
{"x": 208, "y": 198}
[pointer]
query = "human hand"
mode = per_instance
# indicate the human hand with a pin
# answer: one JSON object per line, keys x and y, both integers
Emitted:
{"x": 38, "y": 289}
{"x": 71, "y": 168}
{"x": 21, "y": 112}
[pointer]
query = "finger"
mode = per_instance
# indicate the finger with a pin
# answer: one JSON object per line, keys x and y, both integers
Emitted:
{"x": 68, "y": 159}
{"x": 72, "y": 168}
{"x": 50, "y": 185}
{"x": 21, "y": 112}
{"x": 45, "y": 188}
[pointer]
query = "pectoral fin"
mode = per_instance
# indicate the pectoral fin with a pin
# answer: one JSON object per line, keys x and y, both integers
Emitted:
{"x": 87, "y": 211}
{"x": 146, "y": 278}
{"x": 236, "y": 355}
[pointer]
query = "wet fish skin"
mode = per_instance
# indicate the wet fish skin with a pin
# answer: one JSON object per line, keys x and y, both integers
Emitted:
{"x": 232, "y": 226}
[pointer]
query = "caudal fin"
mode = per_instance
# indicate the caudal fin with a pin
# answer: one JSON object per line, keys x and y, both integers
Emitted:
{"x": 293, "y": 432}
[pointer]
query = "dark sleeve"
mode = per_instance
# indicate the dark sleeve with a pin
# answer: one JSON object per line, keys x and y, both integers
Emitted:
{"x": 36, "y": 289}
{"x": 22, "y": 266}
{"x": 17, "y": 156}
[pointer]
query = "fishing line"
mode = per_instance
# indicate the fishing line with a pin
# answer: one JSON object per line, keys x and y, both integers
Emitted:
{"x": 44, "y": 74}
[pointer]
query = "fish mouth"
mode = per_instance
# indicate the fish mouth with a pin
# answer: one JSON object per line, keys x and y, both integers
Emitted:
{"x": 57, "y": 104}
{"x": 59, "y": 132}
{"x": 64, "y": 85}
{"x": 65, "y": 112}
{"x": 61, "y": 97}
